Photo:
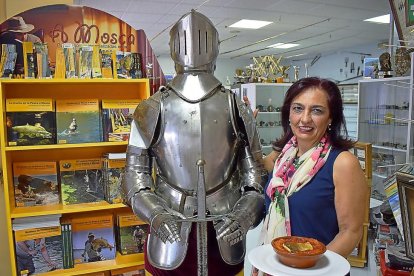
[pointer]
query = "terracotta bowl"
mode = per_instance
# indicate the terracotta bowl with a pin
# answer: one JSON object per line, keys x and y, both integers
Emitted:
{"x": 298, "y": 258}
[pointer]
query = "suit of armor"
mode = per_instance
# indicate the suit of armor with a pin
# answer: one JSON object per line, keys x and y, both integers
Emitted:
{"x": 202, "y": 141}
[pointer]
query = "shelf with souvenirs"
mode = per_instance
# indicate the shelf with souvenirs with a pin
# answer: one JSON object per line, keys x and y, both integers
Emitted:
{"x": 268, "y": 99}
{"x": 47, "y": 176}
{"x": 349, "y": 94}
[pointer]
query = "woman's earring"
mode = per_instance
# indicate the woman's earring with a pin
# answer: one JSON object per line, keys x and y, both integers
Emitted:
{"x": 329, "y": 127}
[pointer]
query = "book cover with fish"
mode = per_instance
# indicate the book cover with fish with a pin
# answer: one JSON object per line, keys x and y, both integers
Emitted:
{"x": 30, "y": 121}
{"x": 35, "y": 183}
{"x": 81, "y": 181}
{"x": 78, "y": 121}
{"x": 93, "y": 238}
{"x": 38, "y": 250}
{"x": 117, "y": 116}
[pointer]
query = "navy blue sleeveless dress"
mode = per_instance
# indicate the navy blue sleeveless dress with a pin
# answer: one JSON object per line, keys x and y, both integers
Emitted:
{"x": 312, "y": 208}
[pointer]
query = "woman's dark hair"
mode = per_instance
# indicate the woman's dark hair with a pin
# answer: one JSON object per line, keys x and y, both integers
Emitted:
{"x": 335, "y": 110}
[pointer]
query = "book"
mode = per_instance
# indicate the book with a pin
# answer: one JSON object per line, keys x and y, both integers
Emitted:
{"x": 35, "y": 183}
{"x": 67, "y": 243}
{"x": 28, "y": 60}
{"x": 113, "y": 170}
{"x": 69, "y": 54}
{"x": 38, "y": 247}
{"x": 117, "y": 116}
{"x": 85, "y": 62}
{"x": 130, "y": 66}
{"x": 96, "y": 63}
{"x": 60, "y": 67}
{"x": 131, "y": 233}
{"x": 81, "y": 181}
{"x": 78, "y": 121}
{"x": 30, "y": 121}
{"x": 93, "y": 238}
{"x": 8, "y": 60}
{"x": 107, "y": 63}
{"x": 42, "y": 69}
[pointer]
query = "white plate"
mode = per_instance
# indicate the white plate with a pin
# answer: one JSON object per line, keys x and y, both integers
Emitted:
{"x": 331, "y": 264}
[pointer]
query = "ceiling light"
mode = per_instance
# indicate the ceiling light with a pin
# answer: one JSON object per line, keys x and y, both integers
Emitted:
{"x": 250, "y": 24}
{"x": 383, "y": 19}
{"x": 283, "y": 45}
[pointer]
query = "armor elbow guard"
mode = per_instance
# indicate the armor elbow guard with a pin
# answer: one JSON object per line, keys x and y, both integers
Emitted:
{"x": 137, "y": 174}
{"x": 253, "y": 173}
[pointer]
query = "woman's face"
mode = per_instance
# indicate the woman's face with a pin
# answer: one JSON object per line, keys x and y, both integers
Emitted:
{"x": 309, "y": 117}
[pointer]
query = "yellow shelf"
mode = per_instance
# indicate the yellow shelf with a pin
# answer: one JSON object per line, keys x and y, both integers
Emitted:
{"x": 21, "y": 212}
{"x": 64, "y": 146}
{"x": 121, "y": 261}
{"x": 71, "y": 81}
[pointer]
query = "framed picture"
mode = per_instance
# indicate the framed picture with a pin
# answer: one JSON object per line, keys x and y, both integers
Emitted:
{"x": 371, "y": 68}
{"x": 405, "y": 182}
{"x": 402, "y": 11}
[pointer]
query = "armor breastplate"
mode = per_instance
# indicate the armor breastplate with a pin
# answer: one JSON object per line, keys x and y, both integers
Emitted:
{"x": 195, "y": 131}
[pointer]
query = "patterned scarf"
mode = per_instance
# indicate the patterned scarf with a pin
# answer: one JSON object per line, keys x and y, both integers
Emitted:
{"x": 290, "y": 174}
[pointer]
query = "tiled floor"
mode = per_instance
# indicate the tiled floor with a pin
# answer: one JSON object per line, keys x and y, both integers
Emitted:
{"x": 253, "y": 236}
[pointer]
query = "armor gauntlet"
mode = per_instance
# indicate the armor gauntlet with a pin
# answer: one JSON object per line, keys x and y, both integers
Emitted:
{"x": 136, "y": 186}
{"x": 248, "y": 210}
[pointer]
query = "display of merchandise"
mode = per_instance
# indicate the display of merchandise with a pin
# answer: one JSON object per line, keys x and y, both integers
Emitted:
{"x": 66, "y": 227}
{"x": 117, "y": 116}
{"x": 30, "y": 121}
{"x": 107, "y": 63}
{"x": 383, "y": 120}
{"x": 129, "y": 65}
{"x": 268, "y": 99}
{"x": 8, "y": 60}
{"x": 113, "y": 170}
{"x": 78, "y": 121}
{"x": 81, "y": 181}
{"x": 38, "y": 245}
{"x": 60, "y": 68}
{"x": 131, "y": 233}
{"x": 93, "y": 238}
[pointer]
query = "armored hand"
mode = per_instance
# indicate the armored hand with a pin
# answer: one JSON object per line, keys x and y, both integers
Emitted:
{"x": 166, "y": 227}
{"x": 244, "y": 216}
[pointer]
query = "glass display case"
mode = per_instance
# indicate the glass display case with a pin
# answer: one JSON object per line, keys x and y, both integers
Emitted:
{"x": 349, "y": 94}
{"x": 268, "y": 99}
{"x": 385, "y": 117}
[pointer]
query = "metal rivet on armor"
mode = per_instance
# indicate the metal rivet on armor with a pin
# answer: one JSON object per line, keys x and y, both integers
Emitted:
{"x": 229, "y": 122}
{"x": 215, "y": 121}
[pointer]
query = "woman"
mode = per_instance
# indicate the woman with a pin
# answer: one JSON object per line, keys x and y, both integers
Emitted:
{"x": 317, "y": 188}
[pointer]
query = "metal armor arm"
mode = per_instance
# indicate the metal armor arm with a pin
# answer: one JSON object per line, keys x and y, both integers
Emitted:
{"x": 136, "y": 185}
{"x": 248, "y": 210}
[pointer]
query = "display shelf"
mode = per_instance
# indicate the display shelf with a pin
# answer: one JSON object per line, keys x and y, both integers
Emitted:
{"x": 121, "y": 261}
{"x": 58, "y": 89}
{"x": 389, "y": 148}
{"x": 263, "y": 96}
{"x": 349, "y": 93}
{"x": 22, "y": 212}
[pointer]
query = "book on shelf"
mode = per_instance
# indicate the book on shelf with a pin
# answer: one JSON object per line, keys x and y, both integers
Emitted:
{"x": 93, "y": 238}
{"x": 96, "y": 63}
{"x": 69, "y": 54}
{"x": 8, "y": 60}
{"x": 107, "y": 63}
{"x": 130, "y": 66}
{"x": 28, "y": 60}
{"x": 81, "y": 181}
{"x": 60, "y": 67}
{"x": 38, "y": 245}
{"x": 42, "y": 69}
{"x": 66, "y": 226}
{"x": 85, "y": 62}
{"x": 131, "y": 233}
{"x": 113, "y": 170}
{"x": 30, "y": 121}
{"x": 35, "y": 183}
{"x": 117, "y": 116}
{"x": 78, "y": 121}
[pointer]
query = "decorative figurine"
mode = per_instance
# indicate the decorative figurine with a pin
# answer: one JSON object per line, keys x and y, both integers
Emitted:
{"x": 402, "y": 61}
{"x": 203, "y": 142}
{"x": 385, "y": 65}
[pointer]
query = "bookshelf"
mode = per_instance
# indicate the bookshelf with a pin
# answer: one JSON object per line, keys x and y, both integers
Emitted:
{"x": 63, "y": 89}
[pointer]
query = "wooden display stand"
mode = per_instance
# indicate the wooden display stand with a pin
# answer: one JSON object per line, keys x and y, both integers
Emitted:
{"x": 64, "y": 89}
{"x": 363, "y": 151}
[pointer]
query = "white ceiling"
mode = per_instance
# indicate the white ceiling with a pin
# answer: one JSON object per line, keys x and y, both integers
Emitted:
{"x": 304, "y": 22}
